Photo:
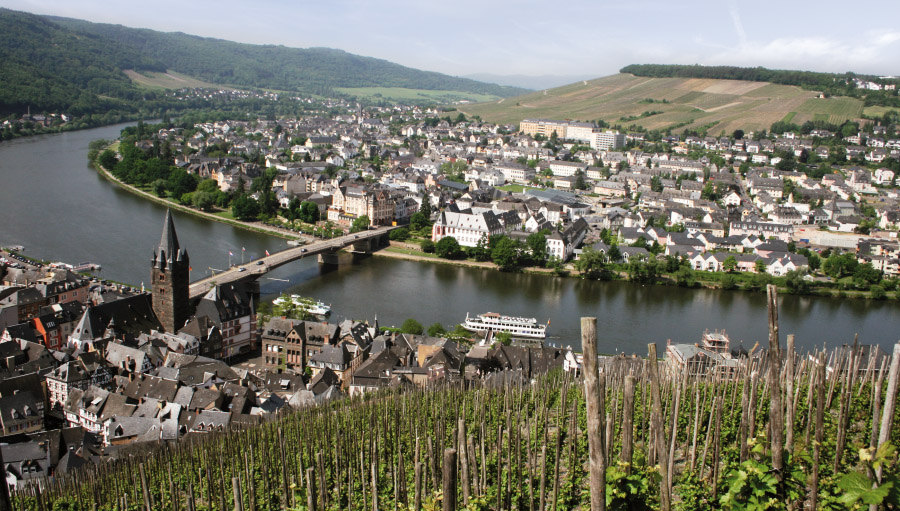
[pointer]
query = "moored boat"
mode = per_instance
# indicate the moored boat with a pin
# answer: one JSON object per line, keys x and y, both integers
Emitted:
{"x": 516, "y": 326}
{"x": 309, "y": 305}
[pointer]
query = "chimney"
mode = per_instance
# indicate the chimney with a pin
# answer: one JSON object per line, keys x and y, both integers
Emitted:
{"x": 11, "y": 363}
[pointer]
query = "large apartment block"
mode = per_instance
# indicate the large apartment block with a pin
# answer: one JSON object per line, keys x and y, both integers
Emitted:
{"x": 580, "y": 131}
{"x": 544, "y": 127}
{"x": 607, "y": 140}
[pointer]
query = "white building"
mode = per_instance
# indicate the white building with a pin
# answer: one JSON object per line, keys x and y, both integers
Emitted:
{"x": 467, "y": 229}
{"x": 606, "y": 140}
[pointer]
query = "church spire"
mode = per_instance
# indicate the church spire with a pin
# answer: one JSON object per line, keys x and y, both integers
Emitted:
{"x": 170, "y": 278}
{"x": 169, "y": 251}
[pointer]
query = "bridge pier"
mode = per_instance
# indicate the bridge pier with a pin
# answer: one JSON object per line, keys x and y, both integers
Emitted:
{"x": 362, "y": 247}
{"x": 369, "y": 245}
{"x": 329, "y": 258}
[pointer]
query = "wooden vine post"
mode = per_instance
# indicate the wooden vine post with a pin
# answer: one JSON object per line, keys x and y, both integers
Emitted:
{"x": 890, "y": 403}
{"x": 627, "y": 423}
{"x": 236, "y": 488}
{"x": 789, "y": 395}
{"x": 448, "y": 502}
{"x": 776, "y": 410}
{"x": 813, "y": 488}
{"x": 594, "y": 396}
{"x": 659, "y": 431}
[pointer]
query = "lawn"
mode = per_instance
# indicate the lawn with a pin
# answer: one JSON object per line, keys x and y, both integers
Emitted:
{"x": 512, "y": 188}
{"x": 407, "y": 251}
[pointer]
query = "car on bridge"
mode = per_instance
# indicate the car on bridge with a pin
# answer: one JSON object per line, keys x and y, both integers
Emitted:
{"x": 242, "y": 268}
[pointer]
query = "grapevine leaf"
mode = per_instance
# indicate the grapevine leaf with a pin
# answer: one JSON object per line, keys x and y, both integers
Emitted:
{"x": 858, "y": 487}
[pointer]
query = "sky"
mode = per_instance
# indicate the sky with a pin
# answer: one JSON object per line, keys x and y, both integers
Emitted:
{"x": 590, "y": 38}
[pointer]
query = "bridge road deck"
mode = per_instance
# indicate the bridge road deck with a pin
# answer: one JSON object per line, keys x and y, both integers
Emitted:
{"x": 265, "y": 264}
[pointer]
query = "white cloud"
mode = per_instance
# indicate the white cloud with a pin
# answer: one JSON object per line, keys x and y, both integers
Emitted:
{"x": 738, "y": 24}
{"x": 874, "y": 51}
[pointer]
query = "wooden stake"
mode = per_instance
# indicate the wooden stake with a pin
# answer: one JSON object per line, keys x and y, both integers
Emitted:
{"x": 665, "y": 498}
{"x": 311, "y": 501}
{"x": 776, "y": 411}
{"x": 628, "y": 423}
{"x": 236, "y": 489}
{"x": 890, "y": 402}
{"x": 594, "y": 395}
{"x": 417, "y": 502}
{"x": 448, "y": 502}
{"x": 813, "y": 488}
{"x": 463, "y": 459}
{"x": 145, "y": 490}
{"x": 789, "y": 395}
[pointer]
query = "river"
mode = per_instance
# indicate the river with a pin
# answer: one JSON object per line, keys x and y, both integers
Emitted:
{"x": 60, "y": 209}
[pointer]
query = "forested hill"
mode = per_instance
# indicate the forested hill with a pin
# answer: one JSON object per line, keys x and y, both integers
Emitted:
{"x": 313, "y": 70}
{"x": 49, "y": 68}
{"x": 750, "y": 74}
{"x": 51, "y": 64}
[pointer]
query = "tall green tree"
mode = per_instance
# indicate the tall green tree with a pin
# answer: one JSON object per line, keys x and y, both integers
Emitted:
{"x": 418, "y": 221}
{"x": 729, "y": 264}
{"x": 425, "y": 208}
{"x": 309, "y": 212}
{"x": 506, "y": 254}
{"x": 448, "y": 248}
{"x": 537, "y": 246}
{"x": 360, "y": 223}
{"x": 411, "y": 326}
{"x": 591, "y": 264}
{"x": 245, "y": 208}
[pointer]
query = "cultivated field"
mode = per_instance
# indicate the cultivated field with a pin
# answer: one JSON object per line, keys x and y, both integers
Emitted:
{"x": 720, "y": 105}
{"x": 420, "y": 95}
{"x": 878, "y": 110}
{"x": 168, "y": 80}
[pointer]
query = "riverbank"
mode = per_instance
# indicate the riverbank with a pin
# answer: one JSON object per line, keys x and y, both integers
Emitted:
{"x": 412, "y": 252}
{"x": 258, "y": 227}
{"x": 684, "y": 277}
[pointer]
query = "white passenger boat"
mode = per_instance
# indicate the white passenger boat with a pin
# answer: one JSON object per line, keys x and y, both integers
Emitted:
{"x": 516, "y": 326}
{"x": 311, "y": 306}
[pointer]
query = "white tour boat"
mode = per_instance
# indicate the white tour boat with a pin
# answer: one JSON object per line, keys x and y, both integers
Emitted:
{"x": 516, "y": 326}
{"x": 314, "y": 307}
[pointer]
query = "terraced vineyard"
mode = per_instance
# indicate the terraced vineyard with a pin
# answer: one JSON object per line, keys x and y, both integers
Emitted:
{"x": 725, "y": 105}
{"x": 787, "y": 431}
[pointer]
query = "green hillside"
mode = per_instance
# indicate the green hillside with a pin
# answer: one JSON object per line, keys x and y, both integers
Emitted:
{"x": 51, "y": 64}
{"x": 672, "y": 103}
{"x": 46, "y": 67}
{"x": 312, "y": 70}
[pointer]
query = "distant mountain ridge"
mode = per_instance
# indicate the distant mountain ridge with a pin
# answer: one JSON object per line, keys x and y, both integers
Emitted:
{"x": 61, "y": 64}
{"x": 315, "y": 70}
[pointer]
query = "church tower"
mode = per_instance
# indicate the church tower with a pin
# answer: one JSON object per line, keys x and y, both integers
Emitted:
{"x": 170, "y": 278}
